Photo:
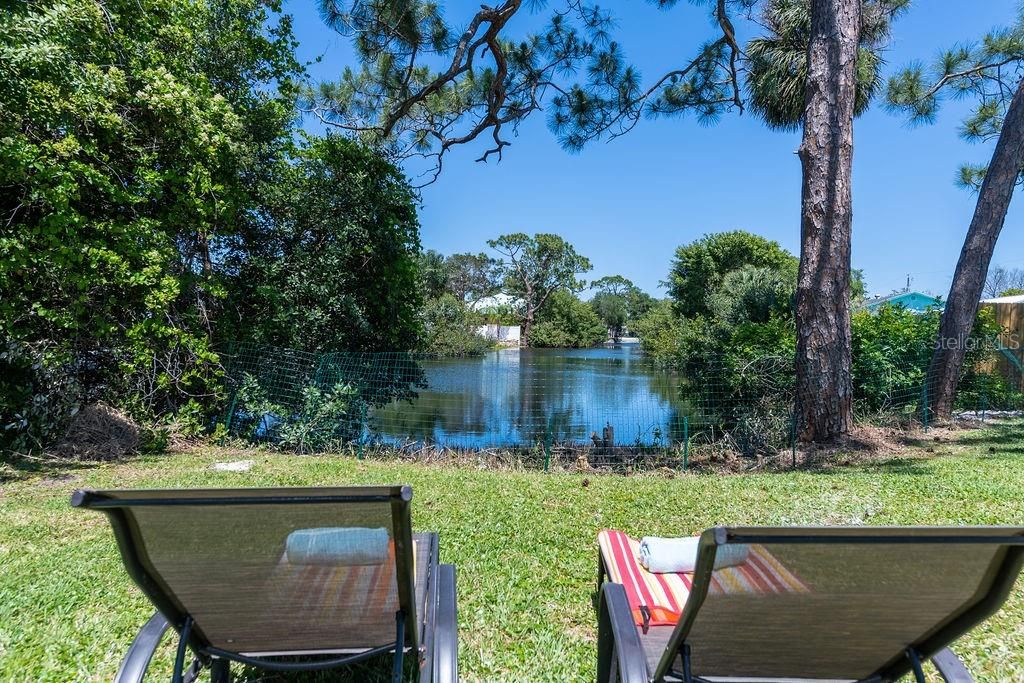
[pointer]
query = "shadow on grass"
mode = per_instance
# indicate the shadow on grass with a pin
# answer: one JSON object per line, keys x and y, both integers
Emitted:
{"x": 21, "y": 467}
{"x": 900, "y": 465}
{"x": 1001, "y": 436}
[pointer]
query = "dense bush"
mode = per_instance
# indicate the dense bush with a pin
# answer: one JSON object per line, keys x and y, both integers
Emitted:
{"x": 891, "y": 351}
{"x": 449, "y": 329}
{"x": 37, "y": 396}
{"x": 892, "y": 348}
{"x": 323, "y": 418}
{"x": 566, "y": 322}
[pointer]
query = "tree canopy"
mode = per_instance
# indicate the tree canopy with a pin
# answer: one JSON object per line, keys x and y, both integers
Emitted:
{"x": 334, "y": 267}
{"x": 619, "y": 303}
{"x": 534, "y": 268}
{"x": 158, "y": 202}
{"x": 427, "y": 82}
{"x": 699, "y": 268}
{"x": 472, "y": 277}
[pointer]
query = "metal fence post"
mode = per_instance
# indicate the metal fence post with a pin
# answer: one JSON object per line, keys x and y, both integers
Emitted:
{"x": 984, "y": 398}
{"x": 686, "y": 442}
{"x": 547, "y": 445}
{"x": 792, "y": 437}
{"x": 924, "y": 406}
{"x": 362, "y": 427}
{"x": 234, "y": 393}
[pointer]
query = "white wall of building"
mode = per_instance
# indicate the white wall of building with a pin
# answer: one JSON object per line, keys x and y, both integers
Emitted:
{"x": 506, "y": 334}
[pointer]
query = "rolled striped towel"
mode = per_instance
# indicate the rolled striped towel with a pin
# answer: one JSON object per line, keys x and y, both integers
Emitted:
{"x": 674, "y": 555}
{"x": 337, "y": 546}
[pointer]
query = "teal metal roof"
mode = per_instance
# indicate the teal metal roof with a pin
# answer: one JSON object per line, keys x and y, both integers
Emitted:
{"x": 912, "y": 301}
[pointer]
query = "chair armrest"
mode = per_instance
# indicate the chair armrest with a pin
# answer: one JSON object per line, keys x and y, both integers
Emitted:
{"x": 133, "y": 668}
{"x": 951, "y": 668}
{"x": 620, "y": 655}
{"x": 446, "y": 639}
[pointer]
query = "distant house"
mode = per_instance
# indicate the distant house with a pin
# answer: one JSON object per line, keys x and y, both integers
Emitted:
{"x": 917, "y": 302}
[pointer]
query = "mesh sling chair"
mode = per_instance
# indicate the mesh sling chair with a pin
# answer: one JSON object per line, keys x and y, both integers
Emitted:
{"x": 234, "y": 573}
{"x": 873, "y": 604}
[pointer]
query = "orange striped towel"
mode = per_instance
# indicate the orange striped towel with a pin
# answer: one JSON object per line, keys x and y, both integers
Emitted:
{"x": 664, "y": 595}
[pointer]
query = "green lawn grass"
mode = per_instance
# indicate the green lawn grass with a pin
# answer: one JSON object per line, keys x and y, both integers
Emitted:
{"x": 523, "y": 542}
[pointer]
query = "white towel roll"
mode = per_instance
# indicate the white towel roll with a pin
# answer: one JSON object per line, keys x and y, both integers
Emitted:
{"x": 674, "y": 555}
{"x": 337, "y": 546}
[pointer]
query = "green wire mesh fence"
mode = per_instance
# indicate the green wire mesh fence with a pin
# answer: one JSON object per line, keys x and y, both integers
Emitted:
{"x": 609, "y": 405}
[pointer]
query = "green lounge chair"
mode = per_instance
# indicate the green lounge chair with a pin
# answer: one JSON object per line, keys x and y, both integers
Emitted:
{"x": 221, "y": 568}
{"x": 875, "y": 602}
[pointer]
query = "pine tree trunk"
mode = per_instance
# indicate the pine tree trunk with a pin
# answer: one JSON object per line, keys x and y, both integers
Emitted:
{"x": 824, "y": 389}
{"x": 975, "y": 257}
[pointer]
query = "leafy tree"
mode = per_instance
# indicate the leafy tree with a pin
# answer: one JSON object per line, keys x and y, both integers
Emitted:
{"x": 433, "y": 273}
{"x": 472, "y": 277}
{"x": 611, "y": 309}
{"x": 135, "y": 135}
{"x": 1012, "y": 291}
{"x": 534, "y": 268}
{"x": 660, "y": 332}
{"x": 699, "y": 267}
{"x": 449, "y": 329}
{"x": 566, "y": 322}
{"x": 613, "y": 284}
{"x": 619, "y": 303}
{"x": 989, "y": 72}
{"x": 335, "y": 266}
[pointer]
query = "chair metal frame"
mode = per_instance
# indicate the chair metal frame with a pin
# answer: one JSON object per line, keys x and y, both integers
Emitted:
{"x": 621, "y": 655}
{"x": 438, "y": 653}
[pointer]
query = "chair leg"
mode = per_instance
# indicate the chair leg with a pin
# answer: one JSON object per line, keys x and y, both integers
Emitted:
{"x": 220, "y": 671}
{"x": 951, "y": 668}
{"x": 620, "y": 655}
{"x": 446, "y": 640}
{"x": 136, "y": 662}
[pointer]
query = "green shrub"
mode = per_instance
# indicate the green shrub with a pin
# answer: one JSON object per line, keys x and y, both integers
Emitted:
{"x": 566, "y": 322}
{"x": 892, "y": 347}
{"x": 322, "y": 419}
{"x": 38, "y": 395}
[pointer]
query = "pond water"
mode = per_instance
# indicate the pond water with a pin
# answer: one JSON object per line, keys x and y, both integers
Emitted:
{"x": 516, "y": 397}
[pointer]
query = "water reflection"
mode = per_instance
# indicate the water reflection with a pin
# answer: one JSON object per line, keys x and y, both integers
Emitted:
{"x": 514, "y": 397}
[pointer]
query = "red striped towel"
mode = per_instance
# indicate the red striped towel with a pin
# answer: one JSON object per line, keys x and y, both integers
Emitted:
{"x": 664, "y": 595}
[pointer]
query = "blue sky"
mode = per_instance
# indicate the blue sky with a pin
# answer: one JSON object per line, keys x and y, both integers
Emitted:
{"x": 629, "y": 203}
